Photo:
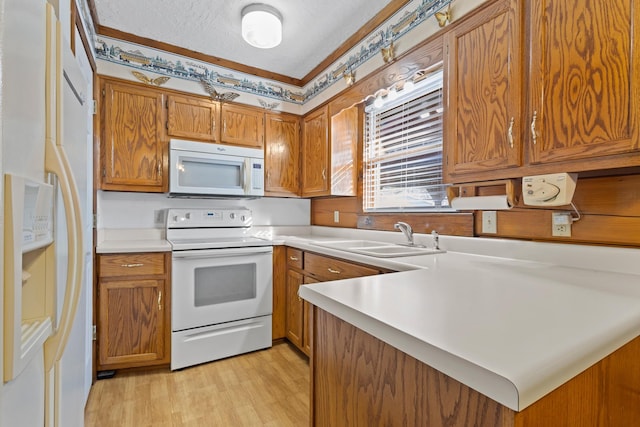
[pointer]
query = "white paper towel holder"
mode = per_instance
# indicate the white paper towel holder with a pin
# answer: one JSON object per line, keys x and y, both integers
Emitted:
{"x": 465, "y": 196}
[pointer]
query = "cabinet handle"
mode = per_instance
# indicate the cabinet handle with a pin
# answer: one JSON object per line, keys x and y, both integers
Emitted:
{"x": 160, "y": 168}
{"x": 131, "y": 265}
{"x": 293, "y": 258}
{"x": 331, "y": 270}
{"x": 224, "y": 126}
{"x": 324, "y": 174}
{"x": 510, "y": 132}
{"x": 160, "y": 301}
{"x": 533, "y": 127}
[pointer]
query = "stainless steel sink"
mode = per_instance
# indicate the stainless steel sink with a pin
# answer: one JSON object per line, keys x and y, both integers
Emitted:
{"x": 353, "y": 244}
{"x": 378, "y": 249}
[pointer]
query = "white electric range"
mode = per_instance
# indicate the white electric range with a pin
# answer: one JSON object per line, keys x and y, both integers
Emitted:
{"x": 221, "y": 285}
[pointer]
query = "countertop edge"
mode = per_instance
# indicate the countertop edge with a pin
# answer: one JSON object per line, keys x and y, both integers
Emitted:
{"x": 515, "y": 391}
{"x": 120, "y": 246}
{"x": 476, "y": 377}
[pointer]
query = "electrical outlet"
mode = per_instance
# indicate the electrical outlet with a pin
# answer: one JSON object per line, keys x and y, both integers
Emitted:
{"x": 336, "y": 216}
{"x": 561, "y": 224}
{"x": 489, "y": 222}
{"x": 561, "y": 230}
{"x": 158, "y": 217}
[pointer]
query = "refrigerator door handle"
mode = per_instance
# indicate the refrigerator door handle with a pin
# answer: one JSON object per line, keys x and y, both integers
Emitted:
{"x": 57, "y": 163}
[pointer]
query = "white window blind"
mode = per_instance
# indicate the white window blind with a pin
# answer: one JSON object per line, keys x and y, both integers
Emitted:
{"x": 403, "y": 151}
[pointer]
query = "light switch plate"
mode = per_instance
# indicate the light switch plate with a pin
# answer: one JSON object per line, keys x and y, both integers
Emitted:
{"x": 489, "y": 222}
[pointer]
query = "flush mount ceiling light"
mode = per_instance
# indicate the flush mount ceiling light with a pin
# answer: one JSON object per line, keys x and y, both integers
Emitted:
{"x": 261, "y": 26}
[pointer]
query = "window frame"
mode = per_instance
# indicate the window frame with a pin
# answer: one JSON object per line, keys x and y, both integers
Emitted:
{"x": 414, "y": 139}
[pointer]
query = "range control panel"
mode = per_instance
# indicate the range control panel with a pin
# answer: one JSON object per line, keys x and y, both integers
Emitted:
{"x": 209, "y": 218}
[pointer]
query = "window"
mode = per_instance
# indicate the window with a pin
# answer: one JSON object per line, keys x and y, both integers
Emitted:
{"x": 403, "y": 151}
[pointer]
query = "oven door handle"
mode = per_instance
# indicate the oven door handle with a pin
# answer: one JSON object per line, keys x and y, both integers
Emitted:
{"x": 222, "y": 253}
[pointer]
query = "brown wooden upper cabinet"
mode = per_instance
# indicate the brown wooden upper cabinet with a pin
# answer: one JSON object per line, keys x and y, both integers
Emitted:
{"x": 242, "y": 125}
{"x": 282, "y": 154}
{"x": 329, "y": 165}
{"x": 483, "y": 117}
{"x": 133, "y": 153}
{"x": 576, "y": 109}
{"x": 584, "y": 82}
{"x": 345, "y": 131}
{"x": 315, "y": 154}
{"x": 192, "y": 118}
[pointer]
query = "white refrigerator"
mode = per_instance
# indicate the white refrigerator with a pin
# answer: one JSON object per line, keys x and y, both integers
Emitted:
{"x": 44, "y": 132}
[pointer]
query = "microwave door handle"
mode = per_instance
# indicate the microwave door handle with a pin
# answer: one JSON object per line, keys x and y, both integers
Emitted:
{"x": 247, "y": 170}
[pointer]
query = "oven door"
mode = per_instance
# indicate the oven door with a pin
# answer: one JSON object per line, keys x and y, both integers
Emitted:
{"x": 220, "y": 285}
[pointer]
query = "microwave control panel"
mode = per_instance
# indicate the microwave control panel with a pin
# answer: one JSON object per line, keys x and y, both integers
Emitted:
{"x": 208, "y": 218}
{"x": 257, "y": 178}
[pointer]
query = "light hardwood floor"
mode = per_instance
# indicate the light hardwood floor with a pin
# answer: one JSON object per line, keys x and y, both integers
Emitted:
{"x": 263, "y": 388}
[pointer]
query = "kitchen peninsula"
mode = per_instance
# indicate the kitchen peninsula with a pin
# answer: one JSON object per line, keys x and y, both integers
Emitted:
{"x": 483, "y": 340}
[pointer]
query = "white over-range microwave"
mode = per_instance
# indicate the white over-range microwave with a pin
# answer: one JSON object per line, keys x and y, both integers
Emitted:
{"x": 214, "y": 170}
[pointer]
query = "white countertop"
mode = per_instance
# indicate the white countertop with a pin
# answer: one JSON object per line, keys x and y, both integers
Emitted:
{"x": 131, "y": 240}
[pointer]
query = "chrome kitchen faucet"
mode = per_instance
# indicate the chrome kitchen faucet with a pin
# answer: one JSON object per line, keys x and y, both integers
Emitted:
{"x": 407, "y": 230}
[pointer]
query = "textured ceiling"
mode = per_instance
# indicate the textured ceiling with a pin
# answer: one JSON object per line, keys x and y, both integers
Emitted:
{"x": 312, "y": 29}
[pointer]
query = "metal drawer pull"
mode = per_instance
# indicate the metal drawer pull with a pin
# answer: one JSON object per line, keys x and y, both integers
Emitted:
{"x": 331, "y": 270}
{"x": 293, "y": 258}
{"x": 510, "y": 132}
{"x": 533, "y": 127}
{"x": 160, "y": 301}
{"x": 131, "y": 265}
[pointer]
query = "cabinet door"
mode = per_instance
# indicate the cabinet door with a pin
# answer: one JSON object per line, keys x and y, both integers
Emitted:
{"x": 295, "y": 309}
{"x": 345, "y": 131}
{"x": 282, "y": 154}
{"x": 132, "y": 324}
{"x": 133, "y": 152}
{"x": 307, "y": 321}
{"x": 242, "y": 126}
{"x": 192, "y": 118}
{"x": 315, "y": 155}
{"x": 483, "y": 114}
{"x": 585, "y": 79}
{"x": 279, "y": 322}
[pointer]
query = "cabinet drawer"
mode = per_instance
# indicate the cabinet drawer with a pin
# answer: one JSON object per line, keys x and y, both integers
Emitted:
{"x": 133, "y": 264}
{"x": 294, "y": 258}
{"x": 333, "y": 269}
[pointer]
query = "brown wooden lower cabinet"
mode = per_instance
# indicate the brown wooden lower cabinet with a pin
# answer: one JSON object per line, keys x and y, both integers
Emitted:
{"x": 307, "y": 267}
{"x": 307, "y": 310}
{"x": 295, "y": 309}
{"x": 133, "y": 327}
{"x": 279, "y": 323}
{"x": 358, "y": 380}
